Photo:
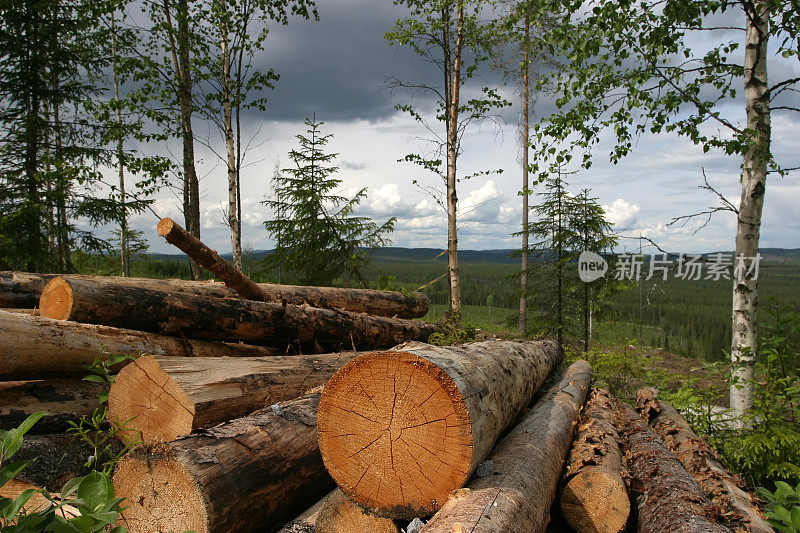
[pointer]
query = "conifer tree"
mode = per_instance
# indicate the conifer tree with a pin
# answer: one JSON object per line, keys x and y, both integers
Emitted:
{"x": 317, "y": 235}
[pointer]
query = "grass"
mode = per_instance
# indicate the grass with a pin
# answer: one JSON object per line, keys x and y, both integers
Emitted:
{"x": 489, "y": 319}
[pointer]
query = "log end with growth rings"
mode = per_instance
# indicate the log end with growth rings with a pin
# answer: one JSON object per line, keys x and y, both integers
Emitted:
{"x": 594, "y": 500}
{"x": 160, "y": 409}
{"x": 164, "y": 226}
{"x": 395, "y": 433}
{"x": 57, "y": 300}
{"x": 160, "y": 493}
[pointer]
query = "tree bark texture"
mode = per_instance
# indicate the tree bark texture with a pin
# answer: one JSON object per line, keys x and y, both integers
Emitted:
{"x": 249, "y": 474}
{"x": 527, "y": 463}
{"x": 63, "y": 399}
{"x": 339, "y": 514}
{"x": 595, "y": 495}
{"x": 733, "y": 504}
{"x": 667, "y": 498}
{"x": 32, "y": 346}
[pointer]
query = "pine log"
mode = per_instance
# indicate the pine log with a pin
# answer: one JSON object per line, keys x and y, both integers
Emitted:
{"x": 304, "y": 522}
{"x": 400, "y": 429}
{"x": 382, "y": 303}
{"x": 63, "y": 399}
{"x": 167, "y": 397}
{"x": 22, "y": 289}
{"x": 527, "y": 467}
{"x": 249, "y": 474}
{"x": 701, "y": 461}
{"x": 14, "y": 488}
{"x": 339, "y": 514}
{"x": 26, "y": 288}
{"x": 32, "y": 346}
{"x": 147, "y": 309}
{"x": 595, "y": 497}
{"x": 667, "y": 498}
{"x": 55, "y": 459}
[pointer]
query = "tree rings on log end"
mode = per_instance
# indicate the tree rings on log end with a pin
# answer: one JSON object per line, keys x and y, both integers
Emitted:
{"x": 160, "y": 493}
{"x": 395, "y": 433}
{"x": 164, "y": 226}
{"x": 594, "y": 500}
{"x": 56, "y": 300}
{"x": 142, "y": 390}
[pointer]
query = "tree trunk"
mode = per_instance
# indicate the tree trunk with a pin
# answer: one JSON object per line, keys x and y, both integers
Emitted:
{"x": 123, "y": 218}
{"x": 32, "y": 346}
{"x": 748, "y": 229}
{"x": 452, "y": 156}
{"x": 527, "y": 466}
{"x": 13, "y": 488}
{"x": 305, "y": 521}
{"x": 179, "y": 44}
{"x": 21, "y": 290}
{"x": 167, "y": 397}
{"x": 249, "y": 474}
{"x": 63, "y": 399}
{"x": 526, "y": 94}
{"x": 383, "y": 303}
{"x": 667, "y": 498}
{"x": 339, "y": 514}
{"x": 400, "y": 429}
{"x": 227, "y": 109}
{"x": 55, "y": 459}
{"x": 235, "y": 319}
{"x": 595, "y": 496}
{"x": 700, "y": 460}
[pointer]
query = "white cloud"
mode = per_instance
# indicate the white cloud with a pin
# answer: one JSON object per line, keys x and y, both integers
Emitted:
{"x": 621, "y": 213}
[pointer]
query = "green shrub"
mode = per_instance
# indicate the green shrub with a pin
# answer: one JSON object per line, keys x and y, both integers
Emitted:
{"x": 783, "y": 507}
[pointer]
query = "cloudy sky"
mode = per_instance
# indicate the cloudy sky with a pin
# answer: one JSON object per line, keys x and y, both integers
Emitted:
{"x": 336, "y": 68}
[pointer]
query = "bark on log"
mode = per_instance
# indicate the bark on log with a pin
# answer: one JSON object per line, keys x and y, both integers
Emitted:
{"x": 400, "y": 429}
{"x": 146, "y": 309}
{"x": 27, "y": 288}
{"x": 249, "y": 474}
{"x": 32, "y": 346}
{"x": 63, "y": 399}
{"x": 381, "y": 303}
{"x": 734, "y": 504}
{"x": 57, "y": 458}
{"x": 595, "y": 496}
{"x": 667, "y": 498}
{"x": 527, "y": 467}
{"x": 304, "y": 522}
{"x": 168, "y": 397}
{"x": 339, "y": 514}
{"x": 22, "y": 289}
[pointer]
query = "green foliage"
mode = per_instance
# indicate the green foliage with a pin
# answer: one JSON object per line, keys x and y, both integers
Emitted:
{"x": 318, "y": 238}
{"x": 622, "y": 372}
{"x": 784, "y": 507}
{"x": 450, "y": 332}
{"x": 94, "y": 430}
{"x": 91, "y": 495}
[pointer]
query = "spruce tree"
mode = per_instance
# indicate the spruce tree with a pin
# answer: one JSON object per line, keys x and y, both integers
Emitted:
{"x": 317, "y": 236}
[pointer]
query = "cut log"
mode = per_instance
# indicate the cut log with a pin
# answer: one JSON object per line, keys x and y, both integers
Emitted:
{"x": 13, "y": 488}
{"x": 249, "y": 474}
{"x": 339, "y": 514}
{"x": 32, "y": 346}
{"x": 667, "y": 498}
{"x": 167, "y": 397}
{"x": 64, "y": 400}
{"x": 400, "y": 429}
{"x": 22, "y": 289}
{"x": 381, "y": 303}
{"x": 527, "y": 465}
{"x": 147, "y": 309}
{"x": 734, "y": 504}
{"x": 25, "y": 288}
{"x": 595, "y": 496}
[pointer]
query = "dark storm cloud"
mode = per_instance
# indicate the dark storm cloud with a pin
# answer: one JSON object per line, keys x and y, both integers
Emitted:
{"x": 337, "y": 66}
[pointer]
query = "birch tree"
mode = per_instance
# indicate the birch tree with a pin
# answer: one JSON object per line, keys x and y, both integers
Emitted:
{"x": 455, "y": 37}
{"x": 630, "y": 68}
